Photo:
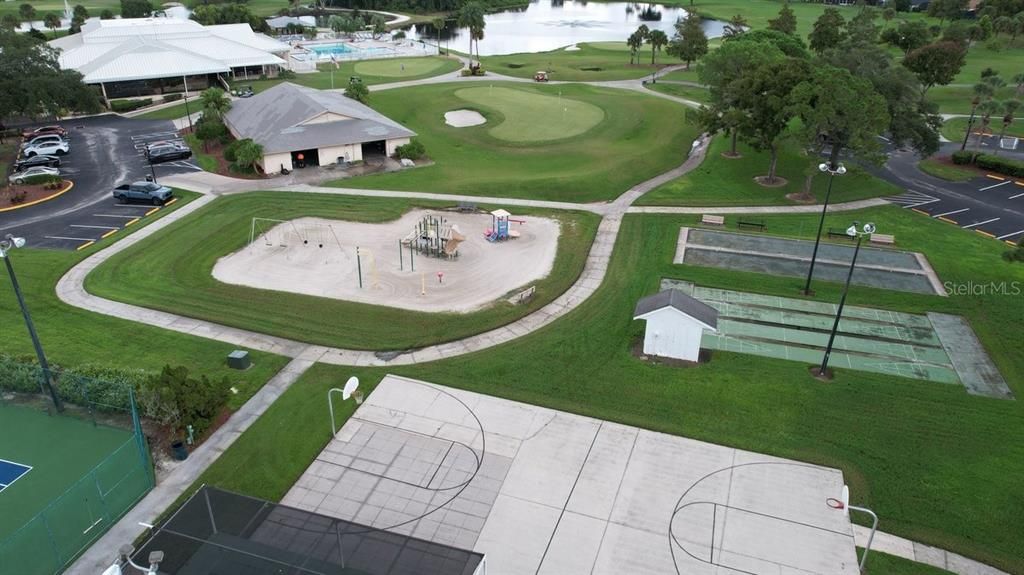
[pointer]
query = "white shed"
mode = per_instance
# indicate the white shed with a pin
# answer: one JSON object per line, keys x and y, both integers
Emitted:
{"x": 675, "y": 324}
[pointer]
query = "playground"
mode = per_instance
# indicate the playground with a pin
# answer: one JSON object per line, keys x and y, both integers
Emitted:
{"x": 426, "y": 261}
{"x": 543, "y": 491}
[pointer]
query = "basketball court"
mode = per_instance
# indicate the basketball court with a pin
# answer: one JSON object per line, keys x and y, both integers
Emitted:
{"x": 542, "y": 491}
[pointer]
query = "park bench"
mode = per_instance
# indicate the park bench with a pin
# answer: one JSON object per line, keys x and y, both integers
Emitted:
{"x": 712, "y": 220}
{"x": 839, "y": 233}
{"x": 467, "y": 207}
{"x": 883, "y": 239}
{"x": 758, "y": 225}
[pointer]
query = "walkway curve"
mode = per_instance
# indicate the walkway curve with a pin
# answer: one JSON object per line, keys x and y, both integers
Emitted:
{"x": 71, "y": 287}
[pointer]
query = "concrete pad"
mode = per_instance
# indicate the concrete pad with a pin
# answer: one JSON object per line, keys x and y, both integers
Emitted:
{"x": 541, "y": 492}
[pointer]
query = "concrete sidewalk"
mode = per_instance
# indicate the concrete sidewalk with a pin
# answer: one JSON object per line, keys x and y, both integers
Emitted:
{"x": 921, "y": 553}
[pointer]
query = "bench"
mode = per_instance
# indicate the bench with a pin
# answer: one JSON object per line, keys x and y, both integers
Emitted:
{"x": 712, "y": 220}
{"x": 467, "y": 207}
{"x": 755, "y": 224}
{"x": 839, "y": 233}
{"x": 883, "y": 239}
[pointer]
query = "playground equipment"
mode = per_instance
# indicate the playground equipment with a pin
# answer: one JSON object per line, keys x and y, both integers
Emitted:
{"x": 272, "y": 234}
{"x": 499, "y": 227}
{"x": 435, "y": 237}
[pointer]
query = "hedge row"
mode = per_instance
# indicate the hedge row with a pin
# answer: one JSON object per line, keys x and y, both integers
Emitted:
{"x": 129, "y": 105}
{"x": 992, "y": 163}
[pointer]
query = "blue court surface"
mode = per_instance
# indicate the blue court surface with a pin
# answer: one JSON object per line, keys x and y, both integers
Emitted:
{"x": 11, "y": 472}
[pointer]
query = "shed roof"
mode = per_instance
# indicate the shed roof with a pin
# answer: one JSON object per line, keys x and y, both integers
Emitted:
{"x": 281, "y": 120}
{"x": 678, "y": 300}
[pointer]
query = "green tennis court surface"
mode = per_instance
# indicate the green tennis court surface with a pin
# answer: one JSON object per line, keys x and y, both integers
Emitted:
{"x": 83, "y": 476}
{"x": 869, "y": 339}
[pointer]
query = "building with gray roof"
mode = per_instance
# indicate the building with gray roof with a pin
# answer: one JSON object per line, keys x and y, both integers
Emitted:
{"x": 299, "y": 126}
{"x": 675, "y": 324}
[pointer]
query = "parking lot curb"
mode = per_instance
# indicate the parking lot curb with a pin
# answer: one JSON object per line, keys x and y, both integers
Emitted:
{"x": 40, "y": 200}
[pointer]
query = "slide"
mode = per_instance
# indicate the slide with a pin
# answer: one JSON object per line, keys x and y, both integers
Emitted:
{"x": 452, "y": 245}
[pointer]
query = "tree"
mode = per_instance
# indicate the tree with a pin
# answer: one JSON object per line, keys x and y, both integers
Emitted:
{"x": 935, "y": 64}
{"x": 27, "y": 12}
{"x": 902, "y": 5}
{"x": 10, "y": 21}
{"x": 657, "y": 39}
{"x": 438, "y": 24}
{"x": 862, "y": 28}
{"x": 946, "y": 9}
{"x": 379, "y": 25}
{"x": 764, "y": 96}
{"x": 1019, "y": 81}
{"x": 1009, "y": 109}
{"x": 786, "y": 20}
{"x": 337, "y": 23}
{"x": 471, "y": 16}
{"x": 107, "y": 14}
{"x": 136, "y": 9}
{"x": 908, "y": 36}
{"x": 828, "y": 30}
{"x": 248, "y": 154}
{"x": 81, "y": 12}
{"x": 357, "y": 91}
{"x": 986, "y": 110}
{"x": 209, "y": 129}
{"x": 635, "y": 42}
{"x": 689, "y": 42}
{"x": 841, "y": 112}
{"x": 887, "y": 15}
{"x": 790, "y": 45}
{"x": 736, "y": 26}
{"x": 52, "y": 21}
{"x": 32, "y": 84}
{"x": 214, "y": 102}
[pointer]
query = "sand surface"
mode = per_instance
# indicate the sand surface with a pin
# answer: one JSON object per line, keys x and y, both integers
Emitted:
{"x": 317, "y": 257}
{"x": 463, "y": 118}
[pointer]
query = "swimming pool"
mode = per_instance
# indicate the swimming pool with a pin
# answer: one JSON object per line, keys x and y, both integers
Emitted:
{"x": 344, "y": 51}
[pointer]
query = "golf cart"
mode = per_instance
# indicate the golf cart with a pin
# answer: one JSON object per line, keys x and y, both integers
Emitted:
{"x": 540, "y": 76}
{"x": 243, "y": 92}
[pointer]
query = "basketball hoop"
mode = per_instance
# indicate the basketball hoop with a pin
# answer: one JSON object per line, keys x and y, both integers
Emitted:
{"x": 834, "y": 503}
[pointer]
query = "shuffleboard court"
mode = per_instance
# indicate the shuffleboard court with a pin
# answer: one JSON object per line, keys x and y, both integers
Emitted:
{"x": 539, "y": 491}
{"x": 876, "y": 267}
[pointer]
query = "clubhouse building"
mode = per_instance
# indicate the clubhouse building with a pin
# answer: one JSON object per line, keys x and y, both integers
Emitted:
{"x": 300, "y": 126}
{"x": 146, "y": 56}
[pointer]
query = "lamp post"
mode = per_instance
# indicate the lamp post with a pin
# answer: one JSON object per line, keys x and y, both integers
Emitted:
{"x": 851, "y": 231}
{"x": 6, "y": 245}
{"x": 970, "y": 122}
{"x": 832, "y": 170}
{"x": 187, "y": 114}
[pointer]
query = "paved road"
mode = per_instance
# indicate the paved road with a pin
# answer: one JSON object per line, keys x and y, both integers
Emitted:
{"x": 105, "y": 151}
{"x": 992, "y": 205}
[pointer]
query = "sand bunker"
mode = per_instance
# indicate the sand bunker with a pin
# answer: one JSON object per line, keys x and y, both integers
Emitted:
{"x": 464, "y": 118}
{"x": 317, "y": 257}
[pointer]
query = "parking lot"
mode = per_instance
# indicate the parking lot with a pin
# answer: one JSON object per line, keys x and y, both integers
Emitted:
{"x": 106, "y": 151}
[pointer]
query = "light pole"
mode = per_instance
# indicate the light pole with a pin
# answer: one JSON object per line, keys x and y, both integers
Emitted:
{"x": 970, "y": 122}
{"x": 6, "y": 245}
{"x": 851, "y": 231}
{"x": 185, "y": 80}
{"x": 832, "y": 170}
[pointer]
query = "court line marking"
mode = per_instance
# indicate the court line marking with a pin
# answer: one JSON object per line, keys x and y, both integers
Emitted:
{"x": 27, "y": 468}
{"x": 1010, "y": 235}
{"x": 67, "y": 238}
{"x": 980, "y": 223}
{"x": 94, "y": 227}
{"x": 951, "y": 213}
{"x": 994, "y": 186}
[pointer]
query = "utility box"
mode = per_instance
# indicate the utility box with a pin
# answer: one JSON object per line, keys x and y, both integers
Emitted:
{"x": 239, "y": 359}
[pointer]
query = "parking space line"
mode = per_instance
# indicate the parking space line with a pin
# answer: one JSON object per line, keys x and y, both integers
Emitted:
{"x": 108, "y": 234}
{"x": 85, "y": 245}
{"x": 1015, "y": 197}
{"x": 126, "y": 224}
{"x": 1017, "y": 233}
{"x": 994, "y": 186}
{"x": 151, "y": 212}
{"x": 93, "y": 227}
{"x": 950, "y": 213}
{"x": 113, "y": 216}
{"x": 1000, "y": 178}
{"x": 980, "y": 223}
{"x": 67, "y": 238}
{"x": 931, "y": 201}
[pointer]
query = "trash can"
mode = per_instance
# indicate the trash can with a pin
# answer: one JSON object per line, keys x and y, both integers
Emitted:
{"x": 179, "y": 451}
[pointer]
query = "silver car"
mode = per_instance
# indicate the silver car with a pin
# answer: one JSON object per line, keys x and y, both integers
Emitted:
{"x": 20, "y": 177}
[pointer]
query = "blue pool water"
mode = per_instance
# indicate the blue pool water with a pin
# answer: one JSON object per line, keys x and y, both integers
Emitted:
{"x": 331, "y": 49}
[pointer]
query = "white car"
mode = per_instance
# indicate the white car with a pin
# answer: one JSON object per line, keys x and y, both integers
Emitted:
{"x": 20, "y": 177}
{"x": 47, "y": 149}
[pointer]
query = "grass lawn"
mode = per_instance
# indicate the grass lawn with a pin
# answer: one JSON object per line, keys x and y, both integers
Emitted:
{"x": 682, "y": 91}
{"x": 172, "y": 272}
{"x": 954, "y": 129}
{"x": 370, "y": 71}
{"x": 57, "y": 7}
{"x": 947, "y": 170}
{"x": 903, "y": 444}
{"x": 957, "y": 99}
{"x": 883, "y": 563}
{"x": 205, "y": 161}
{"x": 593, "y": 62}
{"x": 531, "y": 117}
{"x": 682, "y": 75}
{"x": 171, "y": 112}
{"x": 721, "y": 181}
{"x": 639, "y": 138}
{"x": 71, "y": 336}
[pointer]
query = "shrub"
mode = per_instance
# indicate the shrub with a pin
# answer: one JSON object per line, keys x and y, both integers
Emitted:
{"x": 41, "y": 180}
{"x": 102, "y": 388}
{"x": 286, "y": 75}
{"x": 129, "y": 105}
{"x": 357, "y": 91}
{"x": 177, "y": 400}
{"x": 231, "y": 152}
{"x": 1006, "y": 166}
{"x": 414, "y": 150}
{"x": 172, "y": 97}
{"x": 962, "y": 158}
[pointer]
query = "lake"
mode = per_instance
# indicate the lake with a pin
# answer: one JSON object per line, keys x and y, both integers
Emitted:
{"x": 550, "y": 24}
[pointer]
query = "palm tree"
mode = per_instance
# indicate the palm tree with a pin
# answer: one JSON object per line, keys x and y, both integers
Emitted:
{"x": 635, "y": 41}
{"x": 1019, "y": 81}
{"x": 472, "y": 16}
{"x": 214, "y": 102}
{"x": 657, "y": 38}
{"x": 736, "y": 26}
{"x": 986, "y": 109}
{"x": 438, "y": 24}
{"x": 1009, "y": 109}
{"x": 10, "y": 21}
{"x": 52, "y": 21}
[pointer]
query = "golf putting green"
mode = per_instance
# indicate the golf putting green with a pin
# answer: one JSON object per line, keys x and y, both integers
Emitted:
{"x": 399, "y": 67}
{"x": 533, "y": 117}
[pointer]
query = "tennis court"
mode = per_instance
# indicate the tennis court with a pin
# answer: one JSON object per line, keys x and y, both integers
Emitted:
{"x": 11, "y": 472}
{"x": 876, "y": 267}
{"x": 928, "y": 347}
